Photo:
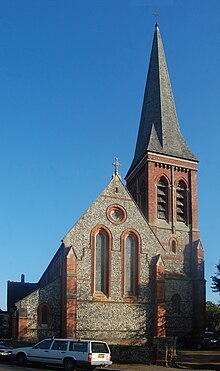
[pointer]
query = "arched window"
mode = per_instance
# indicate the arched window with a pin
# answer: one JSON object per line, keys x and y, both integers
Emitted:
{"x": 162, "y": 199}
{"x": 101, "y": 263}
{"x": 176, "y": 304}
{"x": 173, "y": 246}
{"x": 181, "y": 202}
{"x": 101, "y": 242}
{"x": 44, "y": 315}
{"x": 131, "y": 265}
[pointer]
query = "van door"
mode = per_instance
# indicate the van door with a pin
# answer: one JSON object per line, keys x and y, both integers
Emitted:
{"x": 39, "y": 352}
{"x": 79, "y": 351}
{"x": 58, "y": 351}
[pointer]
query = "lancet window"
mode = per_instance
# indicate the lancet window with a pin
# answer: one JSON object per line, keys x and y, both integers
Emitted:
{"x": 101, "y": 263}
{"x": 44, "y": 315}
{"x": 130, "y": 264}
{"x": 173, "y": 246}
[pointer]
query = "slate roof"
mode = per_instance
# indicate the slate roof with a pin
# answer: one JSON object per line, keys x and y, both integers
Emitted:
{"x": 18, "y": 291}
{"x": 159, "y": 129}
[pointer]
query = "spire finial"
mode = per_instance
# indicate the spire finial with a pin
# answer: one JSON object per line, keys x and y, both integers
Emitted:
{"x": 156, "y": 15}
{"x": 116, "y": 164}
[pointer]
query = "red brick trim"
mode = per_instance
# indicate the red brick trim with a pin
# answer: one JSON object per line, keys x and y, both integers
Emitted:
{"x": 71, "y": 294}
{"x": 121, "y": 210}
{"x": 159, "y": 176}
{"x": 184, "y": 179}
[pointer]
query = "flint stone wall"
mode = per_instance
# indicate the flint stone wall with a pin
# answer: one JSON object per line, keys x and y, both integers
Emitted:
{"x": 49, "y": 294}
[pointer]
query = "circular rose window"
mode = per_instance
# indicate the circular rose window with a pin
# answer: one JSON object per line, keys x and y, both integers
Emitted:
{"x": 116, "y": 214}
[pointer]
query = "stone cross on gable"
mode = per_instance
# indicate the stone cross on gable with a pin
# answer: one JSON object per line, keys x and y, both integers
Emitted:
{"x": 116, "y": 164}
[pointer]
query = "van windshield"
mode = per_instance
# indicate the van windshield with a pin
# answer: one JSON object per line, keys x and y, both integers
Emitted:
{"x": 99, "y": 347}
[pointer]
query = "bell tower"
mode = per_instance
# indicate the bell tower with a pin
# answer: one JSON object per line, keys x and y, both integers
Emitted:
{"x": 163, "y": 181}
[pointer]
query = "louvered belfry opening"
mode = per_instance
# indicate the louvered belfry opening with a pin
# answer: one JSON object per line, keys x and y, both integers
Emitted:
{"x": 162, "y": 199}
{"x": 181, "y": 202}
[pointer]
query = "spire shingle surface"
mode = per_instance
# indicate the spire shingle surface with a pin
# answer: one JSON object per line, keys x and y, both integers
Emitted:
{"x": 159, "y": 129}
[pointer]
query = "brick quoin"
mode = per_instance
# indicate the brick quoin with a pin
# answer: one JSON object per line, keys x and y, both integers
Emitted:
{"x": 160, "y": 307}
{"x": 22, "y": 328}
{"x": 71, "y": 291}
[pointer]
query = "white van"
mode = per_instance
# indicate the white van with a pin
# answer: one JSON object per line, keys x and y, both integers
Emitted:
{"x": 73, "y": 354}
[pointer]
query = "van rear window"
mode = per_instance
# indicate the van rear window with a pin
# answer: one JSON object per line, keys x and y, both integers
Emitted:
{"x": 99, "y": 347}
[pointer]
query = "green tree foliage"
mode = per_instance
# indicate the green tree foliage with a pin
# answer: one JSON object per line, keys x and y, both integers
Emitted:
{"x": 212, "y": 316}
{"x": 216, "y": 279}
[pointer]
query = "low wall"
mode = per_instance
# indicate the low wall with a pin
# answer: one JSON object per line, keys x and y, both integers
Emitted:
{"x": 132, "y": 354}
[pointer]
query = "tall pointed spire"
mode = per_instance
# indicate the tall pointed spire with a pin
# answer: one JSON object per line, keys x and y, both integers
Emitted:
{"x": 159, "y": 130}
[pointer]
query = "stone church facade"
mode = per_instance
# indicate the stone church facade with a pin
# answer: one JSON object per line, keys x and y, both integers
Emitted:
{"x": 132, "y": 266}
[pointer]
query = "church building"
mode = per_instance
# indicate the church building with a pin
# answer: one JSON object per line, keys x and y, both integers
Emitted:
{"x": 131, "y": 269}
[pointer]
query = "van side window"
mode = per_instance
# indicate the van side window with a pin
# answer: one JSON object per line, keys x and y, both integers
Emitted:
{"x": 78, "y": 346}
{"x": 45, "y": 344}
{"x": 59, "y": 345}
{"x": 99, "y": 347}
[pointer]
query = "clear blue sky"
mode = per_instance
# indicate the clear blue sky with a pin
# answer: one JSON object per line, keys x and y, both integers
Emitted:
{"x": 72, "y": 77}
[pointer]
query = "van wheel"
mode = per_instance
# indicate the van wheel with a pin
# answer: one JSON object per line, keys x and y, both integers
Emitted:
{"x": 22, "y": 359}
{"x": 69, "y": 365}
